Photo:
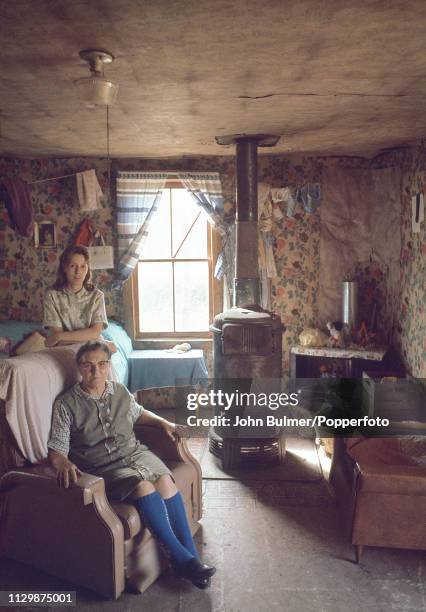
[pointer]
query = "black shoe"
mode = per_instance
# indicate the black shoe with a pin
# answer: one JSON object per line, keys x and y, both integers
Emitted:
{"x": 195, "y": 571}
{"x": 202, "y": 583}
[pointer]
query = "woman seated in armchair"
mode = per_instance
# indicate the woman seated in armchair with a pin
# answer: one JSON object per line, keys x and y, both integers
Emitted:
{"x": 92, "y": 431}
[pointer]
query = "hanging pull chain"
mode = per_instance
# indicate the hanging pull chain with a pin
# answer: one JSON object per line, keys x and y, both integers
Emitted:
{"x": 108, "y": 157}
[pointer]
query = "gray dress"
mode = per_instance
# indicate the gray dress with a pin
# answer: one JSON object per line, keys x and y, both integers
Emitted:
{"x": 97, "y": 435}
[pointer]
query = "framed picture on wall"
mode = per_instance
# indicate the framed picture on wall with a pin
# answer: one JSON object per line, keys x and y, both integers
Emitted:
{"x": 45, "y": 235}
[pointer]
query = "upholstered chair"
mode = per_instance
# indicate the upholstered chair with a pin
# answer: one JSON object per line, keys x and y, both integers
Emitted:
{"x": 78, "y": 535}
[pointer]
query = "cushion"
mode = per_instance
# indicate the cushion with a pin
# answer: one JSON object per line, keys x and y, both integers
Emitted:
{"x": 33, "y": 342}
{"x": 393, "y": 480}
{"x": 129, "y": 518}
{"x": 378, "y": 451}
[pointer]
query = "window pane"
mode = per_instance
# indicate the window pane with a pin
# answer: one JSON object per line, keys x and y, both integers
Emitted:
{"x": 157, "y": 243}
{"x": 155, "y": 284}
{"x": 184, "y": 212}
{"x": 191, "y": 296}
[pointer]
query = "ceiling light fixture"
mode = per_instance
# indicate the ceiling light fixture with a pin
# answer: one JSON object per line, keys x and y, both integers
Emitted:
{"x": 96, "y": 90}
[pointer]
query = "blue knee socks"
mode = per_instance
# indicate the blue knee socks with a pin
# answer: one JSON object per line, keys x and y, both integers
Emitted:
{"x": 179, "y": 522}
{"x": 154, "y": 514}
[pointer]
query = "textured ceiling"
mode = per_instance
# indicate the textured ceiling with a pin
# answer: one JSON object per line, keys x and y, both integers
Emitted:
{"x": 332, "y": 77}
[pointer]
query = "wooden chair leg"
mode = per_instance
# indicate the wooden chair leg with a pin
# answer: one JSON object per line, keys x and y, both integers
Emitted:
{"x": 358, "y": 552}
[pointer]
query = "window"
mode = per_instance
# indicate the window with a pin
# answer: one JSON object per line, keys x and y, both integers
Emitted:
{"x": 174, "y": 272}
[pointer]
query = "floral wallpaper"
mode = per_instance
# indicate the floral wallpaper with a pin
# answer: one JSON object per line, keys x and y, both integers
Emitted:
{"x": 26, "y": 271}
{"x": 410, "y": 303}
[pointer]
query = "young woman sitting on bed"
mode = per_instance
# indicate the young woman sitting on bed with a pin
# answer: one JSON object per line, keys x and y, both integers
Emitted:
{"x": 74, "y": 310}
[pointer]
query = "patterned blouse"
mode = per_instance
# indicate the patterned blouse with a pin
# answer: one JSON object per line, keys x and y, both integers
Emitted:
{"x": 72, "y": 311}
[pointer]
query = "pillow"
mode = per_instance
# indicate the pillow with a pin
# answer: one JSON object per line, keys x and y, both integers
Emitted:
{"x": 32, "y": 343}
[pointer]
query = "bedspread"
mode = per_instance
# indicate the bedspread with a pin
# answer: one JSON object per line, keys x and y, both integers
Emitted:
{"x": 29, "y": 385}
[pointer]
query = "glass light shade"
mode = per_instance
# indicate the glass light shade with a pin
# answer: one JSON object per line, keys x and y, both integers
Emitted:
{"x": 97, "y": 91}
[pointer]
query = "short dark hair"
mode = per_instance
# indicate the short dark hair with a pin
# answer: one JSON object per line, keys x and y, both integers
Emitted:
{"x": 93, "y": 345}
{"x": 61, "y": 278}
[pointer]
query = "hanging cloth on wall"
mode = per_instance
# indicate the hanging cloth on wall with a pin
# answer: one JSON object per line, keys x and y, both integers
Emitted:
{"x": 88, "y": 190}
{"x": 309, "y": 196}
{"x": 16, "y": 195}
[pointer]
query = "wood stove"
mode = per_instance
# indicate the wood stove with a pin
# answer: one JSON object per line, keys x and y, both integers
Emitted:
{"x": 247, "y": 339}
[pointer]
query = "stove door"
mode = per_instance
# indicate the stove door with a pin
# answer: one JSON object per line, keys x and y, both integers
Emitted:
{"x": 247, "y": 339}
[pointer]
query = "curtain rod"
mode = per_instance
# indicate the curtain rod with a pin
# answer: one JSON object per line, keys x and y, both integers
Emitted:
{"x": 170, "y": 174}
{"x": 174, "y": 173}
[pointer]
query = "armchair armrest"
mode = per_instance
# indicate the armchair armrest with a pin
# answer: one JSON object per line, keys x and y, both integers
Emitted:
{"x": 399, "y": 479}
{"x": 43, "y": 478}
{"x": 71, "y": 533}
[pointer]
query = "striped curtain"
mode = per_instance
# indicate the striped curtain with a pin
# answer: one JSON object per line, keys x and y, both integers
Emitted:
{"x": 138, "y": 195}
{"x": 206, "y": 189}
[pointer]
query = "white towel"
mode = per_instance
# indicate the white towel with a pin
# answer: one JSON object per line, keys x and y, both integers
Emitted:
{"x": 88, "y": 190}
{"x": 180, "y": 348}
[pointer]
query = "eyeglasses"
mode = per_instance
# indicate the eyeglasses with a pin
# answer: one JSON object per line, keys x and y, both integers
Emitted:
{"x": 89, "y": 365}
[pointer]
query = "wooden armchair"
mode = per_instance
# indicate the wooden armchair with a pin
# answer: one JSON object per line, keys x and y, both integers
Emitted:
{"x": 78, "y": 535}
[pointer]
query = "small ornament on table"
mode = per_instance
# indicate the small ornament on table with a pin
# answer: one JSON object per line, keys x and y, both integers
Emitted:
{"x": 337, "y": 334}
{"x": 364, "y": 336}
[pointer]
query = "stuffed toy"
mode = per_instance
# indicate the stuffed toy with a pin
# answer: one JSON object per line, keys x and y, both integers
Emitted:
{"x": 337, "y": 335}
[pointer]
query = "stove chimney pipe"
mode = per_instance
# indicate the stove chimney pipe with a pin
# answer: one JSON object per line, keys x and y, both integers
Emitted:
{"x": 246, "y": 281}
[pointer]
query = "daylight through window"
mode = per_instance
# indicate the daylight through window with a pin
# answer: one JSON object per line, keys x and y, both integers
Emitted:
{"x": 174, "y": 269}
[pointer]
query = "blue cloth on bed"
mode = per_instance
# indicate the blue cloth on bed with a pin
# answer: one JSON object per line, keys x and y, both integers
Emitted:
{"x": 16, "y": 330}
{"x": 117, "y": 334}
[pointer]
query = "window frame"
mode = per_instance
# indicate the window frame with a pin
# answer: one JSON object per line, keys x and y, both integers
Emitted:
{"x": 215, "y": 289}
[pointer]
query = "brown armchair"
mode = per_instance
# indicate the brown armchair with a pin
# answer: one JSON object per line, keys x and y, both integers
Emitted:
{"x": 390, "y": 507}
{"x": 78, "y": 535}
{"x": 386, "y": 491}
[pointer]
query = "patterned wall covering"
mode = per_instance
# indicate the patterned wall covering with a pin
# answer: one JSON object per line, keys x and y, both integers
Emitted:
{"x": 26, "y": 272}
{"x": 410, "y": 319}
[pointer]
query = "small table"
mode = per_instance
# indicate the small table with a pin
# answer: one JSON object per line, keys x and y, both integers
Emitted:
{"x": 160, "y": 368}
{"x": 305, "y": 361}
